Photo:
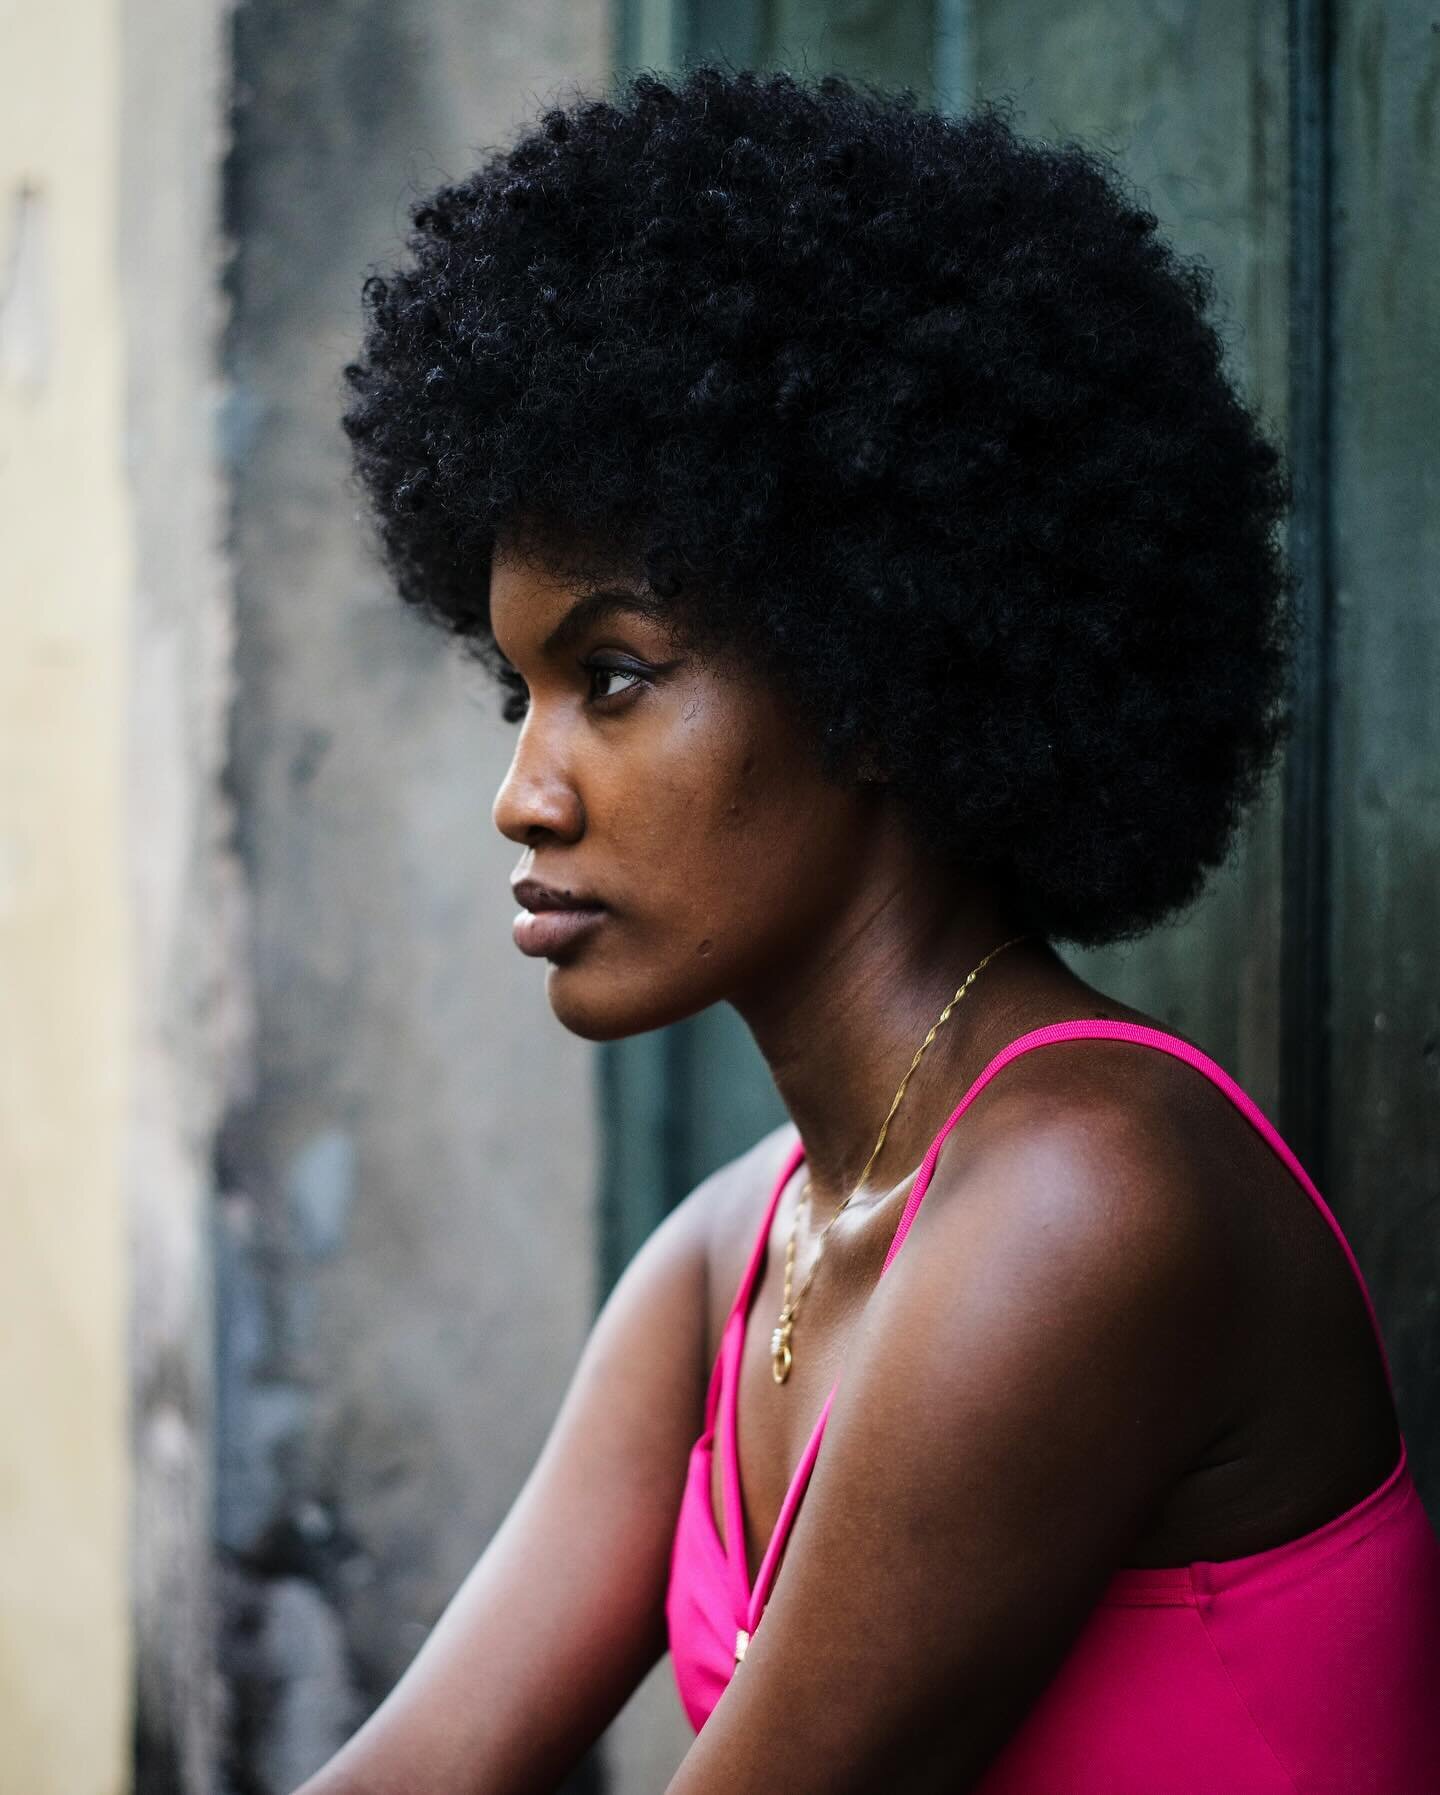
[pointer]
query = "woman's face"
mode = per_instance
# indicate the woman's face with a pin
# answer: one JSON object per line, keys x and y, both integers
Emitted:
{"x": 676, "y": 799}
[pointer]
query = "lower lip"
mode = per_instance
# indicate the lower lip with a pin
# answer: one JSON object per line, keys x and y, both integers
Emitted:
{"x": 542, "y": 932}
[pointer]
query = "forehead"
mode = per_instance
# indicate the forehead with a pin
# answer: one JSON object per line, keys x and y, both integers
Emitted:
{"x": 538, "y": 607}
{"x": 519, "y": 583}
{"x": 528, "y": 597}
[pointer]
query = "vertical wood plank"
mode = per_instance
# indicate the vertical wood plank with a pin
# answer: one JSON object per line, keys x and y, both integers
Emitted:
{"x": 1385, "y": 1120}
{"x": 887, "y": 41}
{"x": 1309, "y": 769}
{"x": 1192, "y": 98}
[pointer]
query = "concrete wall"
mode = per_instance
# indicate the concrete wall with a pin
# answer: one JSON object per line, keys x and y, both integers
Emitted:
{"x": 192, "y": 1028}
{"x": 406, "y": 1248}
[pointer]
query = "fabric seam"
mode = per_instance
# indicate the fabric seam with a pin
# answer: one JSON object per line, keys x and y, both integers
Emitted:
{"x": 1260, "y": 1732}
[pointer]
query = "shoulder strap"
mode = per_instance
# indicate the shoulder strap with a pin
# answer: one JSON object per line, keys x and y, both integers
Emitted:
{"x": 1099, "y": 1029}
{"x": 762, "y": 1239}
{"x": 747, "y": 1283}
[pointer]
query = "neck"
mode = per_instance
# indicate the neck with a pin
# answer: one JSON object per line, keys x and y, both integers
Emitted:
{"x": 840, "y": 1022}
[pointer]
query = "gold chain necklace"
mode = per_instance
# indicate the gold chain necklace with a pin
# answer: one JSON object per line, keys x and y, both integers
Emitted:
{"x": 781, "y": 1355}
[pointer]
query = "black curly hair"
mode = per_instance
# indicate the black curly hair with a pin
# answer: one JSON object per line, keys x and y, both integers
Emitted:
{"x": 920, "y": 418}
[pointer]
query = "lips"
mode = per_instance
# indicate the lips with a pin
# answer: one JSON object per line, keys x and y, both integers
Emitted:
{"x": 534, "y": 896}
{"x": 551, "y": 930}
{"x": 551, "y": 920}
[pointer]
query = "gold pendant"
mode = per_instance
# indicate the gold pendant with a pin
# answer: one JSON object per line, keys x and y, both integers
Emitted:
{"x": 781, "y": 1357}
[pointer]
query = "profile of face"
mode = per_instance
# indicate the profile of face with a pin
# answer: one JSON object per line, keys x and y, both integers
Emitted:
{"x": 675, "y": 797}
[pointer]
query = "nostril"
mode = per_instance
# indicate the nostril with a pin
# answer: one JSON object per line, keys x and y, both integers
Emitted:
{"x": 529, "y": 811}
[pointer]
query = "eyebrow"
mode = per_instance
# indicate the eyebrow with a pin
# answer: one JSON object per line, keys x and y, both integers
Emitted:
{"x": 594, "y": 608}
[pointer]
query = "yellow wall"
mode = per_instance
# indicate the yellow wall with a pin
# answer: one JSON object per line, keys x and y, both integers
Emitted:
{"x": 65, "y": 571}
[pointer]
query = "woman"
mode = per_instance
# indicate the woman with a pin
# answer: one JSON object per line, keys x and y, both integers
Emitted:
{"x": 883, "y": 574}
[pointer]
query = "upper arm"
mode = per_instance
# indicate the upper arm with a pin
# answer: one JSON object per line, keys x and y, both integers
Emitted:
{"x": 563, "y": 1614}
{"x": 1014, "y": 1405}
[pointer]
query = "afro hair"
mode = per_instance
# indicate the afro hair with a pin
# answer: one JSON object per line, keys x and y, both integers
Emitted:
{"x": 919, "y": 417}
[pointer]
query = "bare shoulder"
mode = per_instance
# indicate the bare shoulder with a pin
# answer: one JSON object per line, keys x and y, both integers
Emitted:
{"x": 1111, "y": 1097}
{"x": 1098, "y": 1182}
{"x": 710, "y": 1212}
{"x": 683, "y": 1276}
{"x": 1100, "y": 1130}
{"x": 728, "y": 1206}
{"x": 1103, "y": 1151}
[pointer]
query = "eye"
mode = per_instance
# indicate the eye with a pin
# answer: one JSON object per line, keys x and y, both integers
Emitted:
{"x": 607, "y": 680}
{"x": 602, "y": 672}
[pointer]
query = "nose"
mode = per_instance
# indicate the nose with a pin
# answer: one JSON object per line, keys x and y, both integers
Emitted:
{"x": 537, "y": 797}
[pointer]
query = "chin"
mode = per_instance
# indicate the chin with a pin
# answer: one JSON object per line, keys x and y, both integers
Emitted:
{"x": 603, "y": 1006}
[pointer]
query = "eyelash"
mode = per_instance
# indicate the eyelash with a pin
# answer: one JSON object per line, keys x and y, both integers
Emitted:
{"x": 517, "y": 698}
{"x": 602, "y": 667}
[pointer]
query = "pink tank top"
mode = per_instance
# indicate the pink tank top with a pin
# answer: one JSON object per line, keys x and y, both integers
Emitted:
{"x": 1311, "y": 1668}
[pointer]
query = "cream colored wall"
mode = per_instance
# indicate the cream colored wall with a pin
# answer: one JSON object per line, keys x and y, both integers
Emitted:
{"x": 65, "y": 561}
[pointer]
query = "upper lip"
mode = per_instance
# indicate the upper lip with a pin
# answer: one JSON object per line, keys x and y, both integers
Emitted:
{"x": 532, "y": 895}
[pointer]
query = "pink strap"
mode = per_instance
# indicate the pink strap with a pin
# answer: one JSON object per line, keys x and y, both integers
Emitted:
{"x": 770, "y": 1563}
{"x": 712, "y": 1394}
{"x": 1097, "y": 1029}
{"x": 730, "y": 1493}
{"x": 727, "y": 1368}
{"x": 762, "y": 1239}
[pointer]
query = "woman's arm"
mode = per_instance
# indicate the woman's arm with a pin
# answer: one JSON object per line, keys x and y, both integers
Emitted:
{"x": 1053, "y": 1348}
{"x": 563, "y": 1615}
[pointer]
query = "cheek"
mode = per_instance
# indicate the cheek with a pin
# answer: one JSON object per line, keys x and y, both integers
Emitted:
{"x": 747, "y": 843}
{"x": 700, "y": 829}
{"x": 709, "y": 785}
{"x": 746, "y": 802}
{"x": 727, "y": 828}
